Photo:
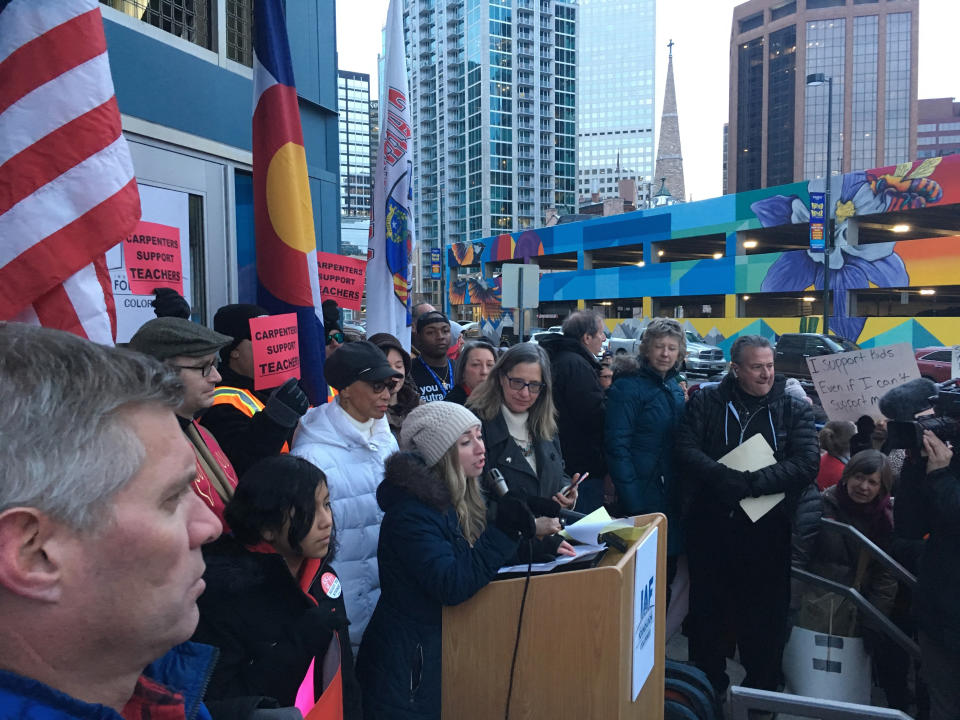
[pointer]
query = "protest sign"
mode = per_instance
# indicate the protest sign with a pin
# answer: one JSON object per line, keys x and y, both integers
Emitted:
{"x": 341, "y": 279}
{"x": 851, "y": 384}
{"x": 955, "y": 361}
{"x": 276, "y": 351}
{"x": 152, "y": 258}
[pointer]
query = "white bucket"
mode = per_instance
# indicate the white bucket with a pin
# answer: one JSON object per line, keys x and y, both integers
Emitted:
{"x": 831, "y": 667}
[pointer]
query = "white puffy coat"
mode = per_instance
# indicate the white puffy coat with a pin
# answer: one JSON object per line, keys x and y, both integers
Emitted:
{"x": 353, "y": 465}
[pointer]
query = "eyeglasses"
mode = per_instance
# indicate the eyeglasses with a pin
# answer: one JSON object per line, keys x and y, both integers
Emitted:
{"x": 381, "y": 385}
{"x": 337, "y": 336}
{"x": 204, "y": 370}
{"x": 517, "y": 385}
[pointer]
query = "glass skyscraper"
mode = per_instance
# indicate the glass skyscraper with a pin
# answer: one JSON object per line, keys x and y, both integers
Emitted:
{"x": 493, "y": 95}
{"x": 615, "y": 114}
{"x": 778, "y": 125}
{"x": 353, "y": 109}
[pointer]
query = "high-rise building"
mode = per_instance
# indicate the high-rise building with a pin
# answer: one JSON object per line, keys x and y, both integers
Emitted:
{"x": 615, "y": 100}
{"x": 778, "y": 124}
{"x": 353, "y": 107}
{"x": 938, "y": 127}
{"x": 492, "y": 88}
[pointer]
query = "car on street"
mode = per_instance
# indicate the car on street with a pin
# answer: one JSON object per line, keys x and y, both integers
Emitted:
{"x": 934, "y": 362}
{"x": 702, "y": 358}
{"x": 793, "y": 349}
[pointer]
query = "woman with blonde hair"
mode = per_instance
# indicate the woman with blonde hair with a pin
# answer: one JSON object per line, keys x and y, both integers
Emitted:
{"x": 436, "y": 549}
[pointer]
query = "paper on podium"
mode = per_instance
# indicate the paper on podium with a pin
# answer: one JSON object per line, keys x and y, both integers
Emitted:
{"x": 583, "y": 552}
{"x": 586, "y": 529}
{"x": 754, "y": 454}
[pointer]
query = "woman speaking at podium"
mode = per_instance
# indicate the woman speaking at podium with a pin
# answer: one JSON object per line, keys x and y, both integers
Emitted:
{"x": 435, "y": 549}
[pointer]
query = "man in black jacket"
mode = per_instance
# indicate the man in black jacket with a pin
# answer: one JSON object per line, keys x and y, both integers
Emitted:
{"x": 249, "y": 424}
{"x": 928, "y": 502}
{"x": 578, "y": 397}
{"x": 739, "y": 569}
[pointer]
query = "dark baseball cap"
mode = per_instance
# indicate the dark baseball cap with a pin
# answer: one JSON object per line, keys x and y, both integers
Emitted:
{"x": 358, "y": 361}
{"x": 429, "y": 318}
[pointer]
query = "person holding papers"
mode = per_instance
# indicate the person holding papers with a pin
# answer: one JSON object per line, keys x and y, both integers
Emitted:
{"x": 738, "y": 525}
{"x": 436, "y": 549}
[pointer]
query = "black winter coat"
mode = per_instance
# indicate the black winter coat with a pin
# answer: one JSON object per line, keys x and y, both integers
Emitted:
{"x": 578, "y": 397}
{"x": 245, "y": 440}
{"x": 267, "y": 630}
{"x": 504, "y": 454}
{"x": 931, "y": 504}
{"x": 425, "y": 563}
{"x": 711, "y": 428}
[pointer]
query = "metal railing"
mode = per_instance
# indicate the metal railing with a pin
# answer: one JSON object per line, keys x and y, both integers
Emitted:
{"x": 744, "y": 699}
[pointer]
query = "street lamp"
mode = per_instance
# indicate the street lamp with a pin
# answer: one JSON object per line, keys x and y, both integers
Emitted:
{"x": 815, "y": 80}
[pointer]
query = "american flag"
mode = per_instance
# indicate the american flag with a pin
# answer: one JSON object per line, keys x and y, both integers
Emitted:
{"x": 67, "y": 186}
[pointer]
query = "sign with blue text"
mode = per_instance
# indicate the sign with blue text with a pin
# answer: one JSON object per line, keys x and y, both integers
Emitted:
{"x": 818, "y": 221}
{"x": 435, "y": 263}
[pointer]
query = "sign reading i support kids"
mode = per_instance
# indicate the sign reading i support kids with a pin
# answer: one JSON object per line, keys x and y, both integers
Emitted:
{"x": 276, "y": 352}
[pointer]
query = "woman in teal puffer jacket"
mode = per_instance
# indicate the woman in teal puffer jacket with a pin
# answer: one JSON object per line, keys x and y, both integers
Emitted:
{"x": 644, "y": 407}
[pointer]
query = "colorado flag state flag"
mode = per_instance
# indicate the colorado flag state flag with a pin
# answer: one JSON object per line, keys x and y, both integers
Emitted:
{"x": 286, "y": 247}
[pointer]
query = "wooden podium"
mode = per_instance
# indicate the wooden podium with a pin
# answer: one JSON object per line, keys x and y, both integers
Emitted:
{"x": 575, "y": 658}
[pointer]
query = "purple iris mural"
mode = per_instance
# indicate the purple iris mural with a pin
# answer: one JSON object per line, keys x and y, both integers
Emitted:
{"x": 851, "y": 266}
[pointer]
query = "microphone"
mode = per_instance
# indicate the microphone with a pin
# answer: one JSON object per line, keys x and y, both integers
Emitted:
{"x": 496, "y": 481}
{"x": 904, "y": 401}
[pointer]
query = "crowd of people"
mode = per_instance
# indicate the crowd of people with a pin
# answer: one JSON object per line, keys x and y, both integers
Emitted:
{"x": 333, "y": 535}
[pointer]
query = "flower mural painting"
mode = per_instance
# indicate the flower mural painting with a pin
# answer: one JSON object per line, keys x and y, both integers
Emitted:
{"x": 908, "y": 186}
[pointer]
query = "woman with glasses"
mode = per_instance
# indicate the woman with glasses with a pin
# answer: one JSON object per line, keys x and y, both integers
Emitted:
{"x": 473, "y": 366}
{"x": 349, "y": 439}
{"x": 515, "y": 404}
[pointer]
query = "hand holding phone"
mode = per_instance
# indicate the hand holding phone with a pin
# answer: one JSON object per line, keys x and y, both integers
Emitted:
{"x": 577, "y": 479}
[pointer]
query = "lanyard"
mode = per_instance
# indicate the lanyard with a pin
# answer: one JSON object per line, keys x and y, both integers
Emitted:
{"x": 440, "y": 383}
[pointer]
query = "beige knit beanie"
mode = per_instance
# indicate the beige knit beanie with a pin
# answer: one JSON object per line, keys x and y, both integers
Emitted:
{"x": 432, "y": 429}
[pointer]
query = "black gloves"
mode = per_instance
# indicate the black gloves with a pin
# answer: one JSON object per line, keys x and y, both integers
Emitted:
{"x": 318, "y": 625}
{"x": 169, "y": 304}
{"x": 287, "y": 404}
{"x": 732, "y": 487}
{"x": 514, "y": 517}
{"x": 542, "y": 507}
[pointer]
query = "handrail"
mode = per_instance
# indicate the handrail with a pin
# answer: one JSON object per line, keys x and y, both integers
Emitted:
{"x": 744, "y": 699}
{"x": 886, "y": 625}
{"x": 878, "y": 554}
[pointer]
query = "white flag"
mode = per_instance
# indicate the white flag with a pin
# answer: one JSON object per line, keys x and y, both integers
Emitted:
{"x": 392, "y": 244}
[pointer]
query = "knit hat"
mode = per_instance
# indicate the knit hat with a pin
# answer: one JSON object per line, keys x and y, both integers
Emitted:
{"x": 234, "y": 320}
{"x": 168, "y": 337}
{"x": 432, "y": 429}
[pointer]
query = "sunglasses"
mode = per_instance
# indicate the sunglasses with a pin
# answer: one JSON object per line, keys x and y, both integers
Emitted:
{"x": 335, "y": 337}
{"x": 517, "y": 385}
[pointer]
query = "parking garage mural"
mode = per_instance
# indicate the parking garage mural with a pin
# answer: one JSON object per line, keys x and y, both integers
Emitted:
{"x": 876, "y": 282}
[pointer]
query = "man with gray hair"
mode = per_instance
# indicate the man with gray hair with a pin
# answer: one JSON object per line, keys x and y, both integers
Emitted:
{"x": 100, "y": 535}
{"x": 578, "y": 397}
{"x": 740, "y": 569}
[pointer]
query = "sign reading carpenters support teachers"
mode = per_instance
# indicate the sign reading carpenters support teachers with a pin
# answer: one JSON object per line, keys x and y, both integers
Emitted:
{"x": 341, "y": 279}
{"x": 851, "y": 384}
{"x": 152, "y": 258}
{"x": 276, "y": 350}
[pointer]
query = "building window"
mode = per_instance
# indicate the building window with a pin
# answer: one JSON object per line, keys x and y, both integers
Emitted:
{"x": 240, "y": 31}
{"x": 930, "y": 127}
{"x": 187, "y": 19}
{"x": 749, "y": 114}
{"x": 752, "y": 22}
{"x": 863, "y": 145}
{"x": 781, "y": 11}
{"x": 897, "y": 89}
{"x": 825, "y": 54}
{"x": 948, "y": 126}
{"x": 782, "y": 69}
{"x": 818, "y": 4}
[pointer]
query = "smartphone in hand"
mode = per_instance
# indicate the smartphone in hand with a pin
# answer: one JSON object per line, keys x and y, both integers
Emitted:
{"x": 569, "y": 488}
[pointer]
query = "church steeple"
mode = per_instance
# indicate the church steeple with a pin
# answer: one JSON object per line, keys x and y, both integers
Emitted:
{"x": 669, "y": 157}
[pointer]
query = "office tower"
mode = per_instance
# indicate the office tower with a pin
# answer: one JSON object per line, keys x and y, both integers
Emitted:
{"x": 778, "y": 124}
{"x": 493, "y": 90}
{"x": 615, "y": 102}
{"x": 938, "y": 127}
{"x": 669, "y": 171}
{"x": 353, "y": 108}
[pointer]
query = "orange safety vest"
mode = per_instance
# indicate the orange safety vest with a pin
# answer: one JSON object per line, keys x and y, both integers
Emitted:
{"x": 244, "y": 401}
{"x": 332, "y": 393}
